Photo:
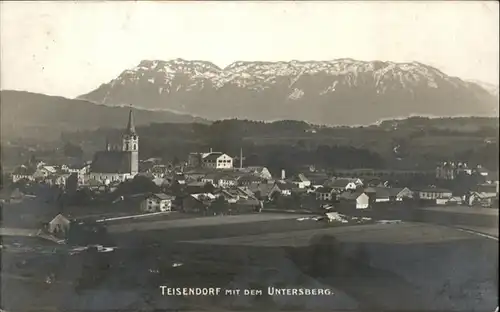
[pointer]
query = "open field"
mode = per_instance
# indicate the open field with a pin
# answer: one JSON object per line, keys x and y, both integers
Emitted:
{"x": 200, "y": 221}
{"x": 405, "y": 233}
{"x": 464, "y": 209}
{"x": 398, "y": 278}
{"x": 407, "y": 266}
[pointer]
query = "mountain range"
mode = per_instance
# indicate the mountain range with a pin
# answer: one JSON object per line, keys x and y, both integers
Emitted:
{"x": 337, "y": 92}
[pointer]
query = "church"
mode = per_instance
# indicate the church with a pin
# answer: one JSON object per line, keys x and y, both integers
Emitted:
{"x": 118, "y": 165}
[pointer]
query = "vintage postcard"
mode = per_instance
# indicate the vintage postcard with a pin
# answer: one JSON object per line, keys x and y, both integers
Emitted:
{"x": 249, "y": 156}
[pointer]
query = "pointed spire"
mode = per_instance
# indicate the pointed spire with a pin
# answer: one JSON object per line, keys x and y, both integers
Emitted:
{"x": 130, "y": 124}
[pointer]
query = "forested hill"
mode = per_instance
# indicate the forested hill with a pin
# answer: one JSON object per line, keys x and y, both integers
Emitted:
{"x": 43, "y": 117}
{"x": 411, "y": 143}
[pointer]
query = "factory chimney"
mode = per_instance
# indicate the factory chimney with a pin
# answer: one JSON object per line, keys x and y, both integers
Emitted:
{"x": 283, "y": 175}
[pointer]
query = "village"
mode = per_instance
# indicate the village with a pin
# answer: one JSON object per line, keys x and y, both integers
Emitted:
{"x": 117, "y": 185}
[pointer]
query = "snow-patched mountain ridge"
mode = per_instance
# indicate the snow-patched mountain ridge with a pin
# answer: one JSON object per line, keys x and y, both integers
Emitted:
{"x": 243, "y": 89}
{"x": 259, "y": 74}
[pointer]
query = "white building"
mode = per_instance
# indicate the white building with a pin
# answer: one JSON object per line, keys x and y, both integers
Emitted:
{"x": 23, "y": 172}
{"x": 227, "y": 181}
{"x": 345, "y": 184}
{"x": 434, "y": 194}
{"x": 301, "y": 181}
{"x": 361, "y": 200}
{"x": 216, "y": 160}
{"x": 157, "y": 203}
{"x": 213, "y": 160}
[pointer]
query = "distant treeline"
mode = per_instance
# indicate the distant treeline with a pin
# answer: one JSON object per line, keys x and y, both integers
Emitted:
{"x": 414, "y": 143}
{"x": 292, "y": 144}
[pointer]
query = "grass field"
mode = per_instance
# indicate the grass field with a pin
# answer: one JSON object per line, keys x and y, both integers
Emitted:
{"x": 408, "y": 266}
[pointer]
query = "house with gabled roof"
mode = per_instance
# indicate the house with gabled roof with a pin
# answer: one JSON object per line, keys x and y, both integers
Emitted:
{"x": 59, "y": 226}
{"x": 490, "y": 189}
{"x": 259, "y": 171}
{"x": 343, "y": 184}
{"x": 325, "y": 193}
{"x": 378, "y": 194}
{"x": 357, "y": 199}
{"x": 265, "y": 191}
{"x": 301, "y": 181}
{"x": 157, "y": 202}
{"x": 285, "y": 187}
{"x": 80, "y": 169}
{"x": 217, "y": 160}
{"x": 23, "y": 173}
{"x": 481, "y": 199}
{"x": 199, "y": 202}
{"x": 388, "y": 194}
{"x": 249, "y": 179}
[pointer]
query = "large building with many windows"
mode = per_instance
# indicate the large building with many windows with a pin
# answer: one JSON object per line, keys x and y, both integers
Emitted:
{"x": 212, "y": 160}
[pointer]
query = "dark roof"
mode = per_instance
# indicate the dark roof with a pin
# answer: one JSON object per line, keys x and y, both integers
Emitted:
{"x": 324, "y": 189}
{"x": 382, "y": 192}
{"x": 340, "y": 182}
{"x": 229, "y": 177}
{"x": 264, "y": 188}
{"x": 251, "y": 178}
{"x": 178, "y": 176}
{"x": 148, "y": 175}
{"x": 300, "y": 178}
{"x": 112, "y": 162}
{"x": 348, "y": 195}
{"x": 482, "y": 169}
{"x": 487, "y": 188}
{"x": 23, "y": 170}
{"x": 286, "y": 185}
{"x": 212, "y": 176}
{"x": 162, "y": 196}
{"x": 77, "y": 166}
{"x": 213, "y": 156}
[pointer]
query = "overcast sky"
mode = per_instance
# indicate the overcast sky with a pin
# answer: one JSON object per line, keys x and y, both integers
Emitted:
{"x": 71, "y": 48}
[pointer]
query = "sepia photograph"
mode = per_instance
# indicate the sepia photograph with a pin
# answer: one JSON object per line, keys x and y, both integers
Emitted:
{"x": 249, "y": 156}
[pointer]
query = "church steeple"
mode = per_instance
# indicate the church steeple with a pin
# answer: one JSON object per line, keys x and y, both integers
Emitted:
{"x": 130, "y": 125}
{"x": 131, "y": 144}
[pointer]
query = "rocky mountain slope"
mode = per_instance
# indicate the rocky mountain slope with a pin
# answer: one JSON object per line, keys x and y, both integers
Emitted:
{"x": 491, "y": 88}
{"x": 25, "y": 114}
{"x": 343, "y": 91}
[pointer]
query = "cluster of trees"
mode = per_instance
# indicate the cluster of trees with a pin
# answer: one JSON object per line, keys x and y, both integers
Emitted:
{"x": 139, "y": 184}
{"x": 72, "y": 150}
